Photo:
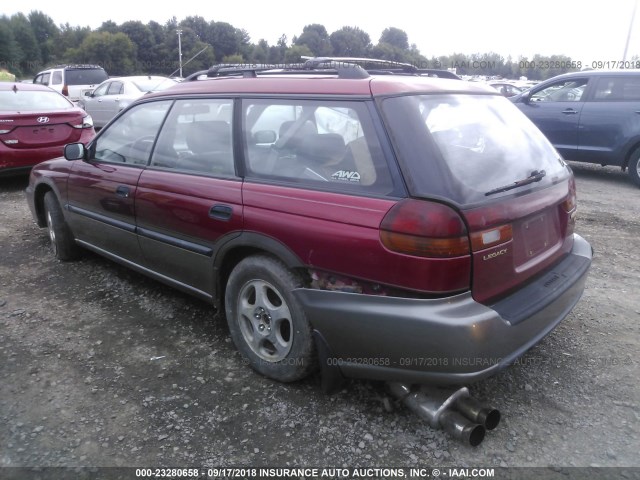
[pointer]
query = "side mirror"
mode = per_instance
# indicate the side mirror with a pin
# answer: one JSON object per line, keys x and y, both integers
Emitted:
{"x": 526, "y": 97}
{"x": 74, "y": 151}
{"x": 88, "y": 94}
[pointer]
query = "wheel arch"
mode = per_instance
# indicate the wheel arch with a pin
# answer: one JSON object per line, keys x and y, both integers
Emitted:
{"x": 38, "y": 201}
{"x": 241, "y": 247}
{"x": 630, "y": 152}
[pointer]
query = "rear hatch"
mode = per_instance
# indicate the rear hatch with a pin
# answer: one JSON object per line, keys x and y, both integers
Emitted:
{"x": 482, "y": 157}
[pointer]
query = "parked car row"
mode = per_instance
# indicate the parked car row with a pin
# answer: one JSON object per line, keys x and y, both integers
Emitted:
{"x": 115, "y": 94}
{"x": 62, "y": 105}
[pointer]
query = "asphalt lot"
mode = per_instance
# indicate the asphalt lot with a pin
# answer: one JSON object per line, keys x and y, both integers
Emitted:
{"x": 100, "y": 366}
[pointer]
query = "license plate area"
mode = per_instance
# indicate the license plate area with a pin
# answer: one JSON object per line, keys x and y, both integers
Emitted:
{"x": 536, "y": 235}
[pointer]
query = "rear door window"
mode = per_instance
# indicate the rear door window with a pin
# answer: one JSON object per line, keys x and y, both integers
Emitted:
{"x": 618, "y": 89}
{"x": 324, "y": 144}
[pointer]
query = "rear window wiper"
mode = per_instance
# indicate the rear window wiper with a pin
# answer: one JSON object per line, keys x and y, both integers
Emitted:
{"x": 535, "y": 176}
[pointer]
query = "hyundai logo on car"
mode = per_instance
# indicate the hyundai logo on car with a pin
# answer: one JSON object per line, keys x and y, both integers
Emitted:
{"x": 43, "y": 119}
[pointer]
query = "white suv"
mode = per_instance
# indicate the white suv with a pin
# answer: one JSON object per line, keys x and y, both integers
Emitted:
{"x": 72, "y": 80}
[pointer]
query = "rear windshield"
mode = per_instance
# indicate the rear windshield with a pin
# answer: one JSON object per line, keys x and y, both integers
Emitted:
{"x": 85, "y": 76}
{"x": 461, "y": 147}
{"x": 33, "y": 101}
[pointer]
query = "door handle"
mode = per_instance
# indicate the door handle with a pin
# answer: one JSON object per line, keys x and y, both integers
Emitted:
{"x": 122, "y": 191}
{"x": 221, "y": 212}
{"x": 569, "y": 111}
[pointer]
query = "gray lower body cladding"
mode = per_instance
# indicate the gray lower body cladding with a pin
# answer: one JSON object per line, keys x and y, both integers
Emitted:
{"x": 453, "y": 340}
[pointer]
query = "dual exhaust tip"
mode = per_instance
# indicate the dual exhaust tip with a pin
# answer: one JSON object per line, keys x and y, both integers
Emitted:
{"x": 455, "y": 412}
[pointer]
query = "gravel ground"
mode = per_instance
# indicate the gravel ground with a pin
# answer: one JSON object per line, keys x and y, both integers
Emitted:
{"x": 100, "y": 366}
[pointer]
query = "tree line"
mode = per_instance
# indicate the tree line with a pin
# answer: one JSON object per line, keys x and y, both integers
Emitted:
{"x": 30, "y": 43}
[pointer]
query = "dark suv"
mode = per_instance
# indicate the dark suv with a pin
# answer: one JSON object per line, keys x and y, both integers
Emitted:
{"x": 392, "y": 226}
{"x": 591, "y": 116}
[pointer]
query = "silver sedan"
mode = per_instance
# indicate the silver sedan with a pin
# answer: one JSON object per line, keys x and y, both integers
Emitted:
{"x": 114, "y": 94}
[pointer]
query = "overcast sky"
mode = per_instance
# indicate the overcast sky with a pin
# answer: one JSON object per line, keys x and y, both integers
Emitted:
{"x": 585, "y": 30}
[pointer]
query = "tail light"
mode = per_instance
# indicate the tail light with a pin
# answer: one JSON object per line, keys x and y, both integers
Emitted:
{"x": 424, "y": 229}
{"x": 65, "y": 90}
{"x": 570, "y": 206}
{"x": 87, "y": 122}
{"x": 491, "y": 237}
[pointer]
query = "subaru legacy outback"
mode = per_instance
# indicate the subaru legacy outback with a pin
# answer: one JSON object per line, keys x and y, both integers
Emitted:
{"x": 389, "y": 226}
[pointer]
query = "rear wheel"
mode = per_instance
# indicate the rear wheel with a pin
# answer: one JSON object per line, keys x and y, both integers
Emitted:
{"x": 267, "y": 323}
{"x": 634, "y": 167}
{"x": 63, "y": 245}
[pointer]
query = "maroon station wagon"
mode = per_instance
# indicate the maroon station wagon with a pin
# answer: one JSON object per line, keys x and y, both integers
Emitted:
{"x": 383, "y": 226}
{"x": 36, "y": 123}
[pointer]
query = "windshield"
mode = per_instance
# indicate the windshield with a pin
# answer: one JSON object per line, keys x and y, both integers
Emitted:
{"x": 154, "y": 84}
{"x": 33, "y": 101}
{"x": 462, "y": 146}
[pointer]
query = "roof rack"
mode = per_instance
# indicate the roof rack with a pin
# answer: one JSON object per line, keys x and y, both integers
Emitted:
{"x": 343, "y": 67}
{"x": 74, "y": 65}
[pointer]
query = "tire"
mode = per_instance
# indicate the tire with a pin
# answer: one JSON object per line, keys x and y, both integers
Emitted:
{"x": 267, "y": 324}
{"x": 634, "y": 167}
{"x": 63, "y": 244}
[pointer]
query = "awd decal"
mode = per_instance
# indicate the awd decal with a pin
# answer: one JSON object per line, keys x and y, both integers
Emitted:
{"x": 346, "y": 176}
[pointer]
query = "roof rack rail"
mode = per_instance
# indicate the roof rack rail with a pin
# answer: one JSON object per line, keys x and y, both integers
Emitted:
{"x": 383, "y": 65}
{"x": 378, "y": 66}
{"x": 343, "y": 67}
{"x": 317, "y": 65}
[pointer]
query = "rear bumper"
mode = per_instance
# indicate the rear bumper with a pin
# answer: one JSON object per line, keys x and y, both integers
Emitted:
{"x": 451, "y": 340}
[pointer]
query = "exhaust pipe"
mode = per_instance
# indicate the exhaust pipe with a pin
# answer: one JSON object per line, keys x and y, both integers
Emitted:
{"x": 456, "y": 412}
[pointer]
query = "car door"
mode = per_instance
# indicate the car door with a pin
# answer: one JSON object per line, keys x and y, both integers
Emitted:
{"x": 111, "y": 101}
{"x": 610, "y": 120}
{"x": 555, "y": 108}
{"x": 102, "y": 189}
{"x": 190, "y": 199}
{"x": 94, "y": 104}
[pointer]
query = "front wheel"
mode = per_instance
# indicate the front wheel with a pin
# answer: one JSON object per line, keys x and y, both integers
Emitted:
{"x": 63, "y": 245}
{"x": 634, "y": 167}
{"x": 267, "y": 323}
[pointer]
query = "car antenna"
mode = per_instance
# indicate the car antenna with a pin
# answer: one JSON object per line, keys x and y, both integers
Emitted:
{"x": 183, "y": 65}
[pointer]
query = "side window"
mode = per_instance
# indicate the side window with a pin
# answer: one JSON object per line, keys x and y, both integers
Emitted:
{"x": 115, "y": 88}
{"x": 45, "y": 78}
{"x": 130, "y": 138}
{"x": 618, "y": 89}
{"x": 327, "y": 144}
{"x": 197, "y": 138}
{"x": 57, "y": 78}
{"x": 563, "y": 91}
{"x": 101, "y": 90}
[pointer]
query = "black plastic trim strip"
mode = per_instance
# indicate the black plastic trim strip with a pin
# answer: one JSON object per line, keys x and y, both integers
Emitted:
{"x": 175, "y": 242}
{"x": 129, "y": 227}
